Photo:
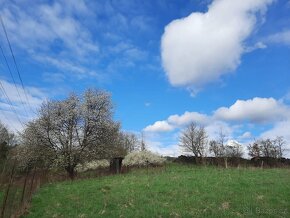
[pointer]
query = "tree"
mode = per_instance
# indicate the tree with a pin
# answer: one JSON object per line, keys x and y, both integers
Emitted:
{"x": 129, "y": 141}
{"x": 222, "y": 150}
{"x": 234, "y": 150}
{"x": 7, "y": 140}
{"x": 142, "y": 142}
{"x": 254, "y": 150}
{"x": 279, "y": 144}
{"x": 267, "y": 148}
{"x": 217, "y": 147}
{"x": 76, "y": 129}
{"x": 194, "y": 139}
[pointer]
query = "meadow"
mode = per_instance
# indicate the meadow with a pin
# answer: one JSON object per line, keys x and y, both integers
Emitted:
{"x": 172, "y": 191}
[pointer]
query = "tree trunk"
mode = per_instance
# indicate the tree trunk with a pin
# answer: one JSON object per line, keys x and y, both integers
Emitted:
{"x": 70, "y": 172}
{"x": 226, "y": 162}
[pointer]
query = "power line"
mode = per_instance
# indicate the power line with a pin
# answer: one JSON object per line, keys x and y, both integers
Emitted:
{"x": 9, "y": 69}
{"x": 15, "y": 64}
{"x": 10, "y": 104}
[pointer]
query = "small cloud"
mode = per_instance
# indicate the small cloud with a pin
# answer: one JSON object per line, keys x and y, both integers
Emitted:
{"x": 282, "y": 37}
{"x": 246, "y": 135}
{"x": 258, "y": 45}
{"x": 159, "y": 126}
{"x": 187, "y": 117}
{"x": 147, "y": 104}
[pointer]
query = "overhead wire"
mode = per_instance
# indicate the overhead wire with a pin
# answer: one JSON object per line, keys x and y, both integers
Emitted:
{"x": 11, "y": 74}
{"x": 10, "y": 104}
{"x": 15, "y": 63}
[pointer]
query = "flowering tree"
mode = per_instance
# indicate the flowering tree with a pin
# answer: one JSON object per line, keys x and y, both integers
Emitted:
{"x": 76, "y": 129}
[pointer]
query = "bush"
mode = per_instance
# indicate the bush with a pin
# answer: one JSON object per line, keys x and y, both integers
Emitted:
{"x": 143, "y": 158}
{"x": 93, "y": 165}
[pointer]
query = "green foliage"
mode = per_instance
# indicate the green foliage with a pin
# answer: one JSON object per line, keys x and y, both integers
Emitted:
{"x": 172, "y": 191}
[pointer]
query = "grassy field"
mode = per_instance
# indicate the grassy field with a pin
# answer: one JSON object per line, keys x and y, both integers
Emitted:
{"x": 176, "y": 191}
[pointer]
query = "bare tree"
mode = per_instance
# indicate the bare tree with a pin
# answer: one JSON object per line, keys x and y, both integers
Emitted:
{"x": 129, "y": 141}
{"x": 142, "y": 143}
{"x": 76, "y": 129}
{"x": 254, "y": 150}
{"x": 219, "y": 148}
{"x": 194, "y": 139}
{"x": 279, "y": 144}
{"x": 267, "y": 148}
{"x": 234, "y": 150}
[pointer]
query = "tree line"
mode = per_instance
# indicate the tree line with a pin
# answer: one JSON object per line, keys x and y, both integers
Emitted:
{"x": 194, "y": 140}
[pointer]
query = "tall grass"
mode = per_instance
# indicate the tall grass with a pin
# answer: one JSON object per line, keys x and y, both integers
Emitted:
{"x": 174, "y": 191}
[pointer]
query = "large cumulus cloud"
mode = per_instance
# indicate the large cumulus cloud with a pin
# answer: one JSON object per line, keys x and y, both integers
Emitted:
{"x": 200, "y": 48}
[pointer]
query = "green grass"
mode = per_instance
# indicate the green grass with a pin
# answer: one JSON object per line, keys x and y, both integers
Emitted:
{"x": 177, "y": 191}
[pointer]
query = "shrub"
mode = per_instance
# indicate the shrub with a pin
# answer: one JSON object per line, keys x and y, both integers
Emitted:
{"x": 143, "y": 158}
{"x": 93, "y": 165}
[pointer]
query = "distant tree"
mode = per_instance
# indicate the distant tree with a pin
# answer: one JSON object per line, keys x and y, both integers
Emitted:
{"x": 215, "y": 148}
{"x": 129, "y": 141}
{"x": 222, "y": 150}
{"x": 279, "y": 144}
{"x": 234, "y": 150}
{"x": 76, "y": 129}
{"x": 267, "y": 148}
{"x": 194, "y": 139}
{"x": 142, "y": 143}
{"x": 254, "y": 150}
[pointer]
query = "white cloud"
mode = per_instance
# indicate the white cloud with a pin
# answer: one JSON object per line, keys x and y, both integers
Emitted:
{"x": 170, "y": 150}
{"x": 202, "y": 47}
{"x": 53, "y": 34}
{"x": 24, "y": 107}
{"x": 258, "y": 45}
{"x": 239, "y": 121}
{"x": 18, "y": 96}
{"x": 280, "y": 37}
{"x": 214, "y": 128}
{"x": 48, "y": 25}
{"x": 188, "y": 117}
{"x": 159, "y": 126}
{"x": 280, "y": 129}
{"x": 256, "y": 110}
{"x": 246, "y": 135}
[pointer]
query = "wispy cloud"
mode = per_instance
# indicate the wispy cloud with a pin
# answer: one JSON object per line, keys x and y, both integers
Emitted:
{"x": 17, "y": 109}
{"x": 78, "y": 38}
{"x": 282, "y": 37}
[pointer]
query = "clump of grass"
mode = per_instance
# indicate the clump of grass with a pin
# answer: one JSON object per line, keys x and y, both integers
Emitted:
{"x": 175, "y": 191}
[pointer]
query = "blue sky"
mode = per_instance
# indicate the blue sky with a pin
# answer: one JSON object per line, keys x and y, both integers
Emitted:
{"x": 222, "y": 63}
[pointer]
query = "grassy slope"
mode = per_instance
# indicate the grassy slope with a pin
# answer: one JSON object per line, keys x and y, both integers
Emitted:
{"x": 178, "y": 191}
